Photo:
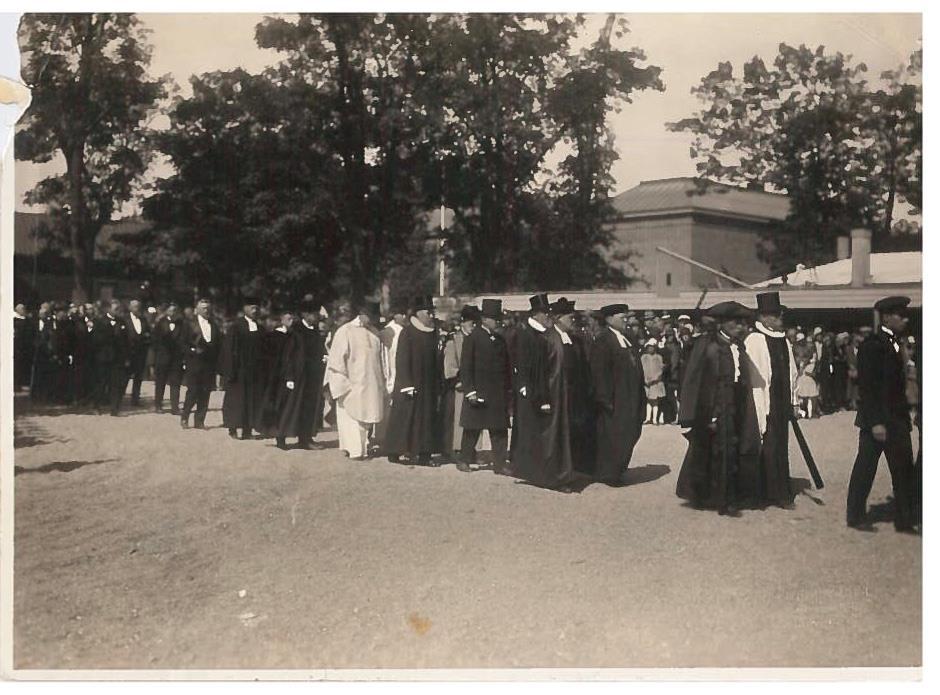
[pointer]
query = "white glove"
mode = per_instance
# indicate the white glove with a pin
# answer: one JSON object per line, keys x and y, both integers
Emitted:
{"x": 522, "y": 392}
{"x": 545, "y": 408}
{"x": 290, "y": 385}
{"x": 409, "y": 390}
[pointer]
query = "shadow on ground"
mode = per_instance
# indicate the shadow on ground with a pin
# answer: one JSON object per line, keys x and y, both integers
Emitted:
{"x": 61, "y": 466}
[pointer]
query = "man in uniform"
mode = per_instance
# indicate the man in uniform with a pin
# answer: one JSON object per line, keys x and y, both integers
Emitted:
{"x": 201, "y": 344}
{"x": 356, "y": 380}
{"x": 485, "y": 374}
{"x": 414, "y": 422}
{"x": 243, "y": 393}
{"x": 883, "y": 418}
{"x": 453, "y": 388}
{"x": 302, "y": 378}
{"x": 714, "y": 406}
{"x": 168, "y": 359}
{"x": 619, "y": 395}
{"x": 772, "y": 375}
{"x": 138, "y": 343}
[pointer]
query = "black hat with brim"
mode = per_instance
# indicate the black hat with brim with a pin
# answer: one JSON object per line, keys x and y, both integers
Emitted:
{"x": 725, "y": 311}
{"x": 491, "y": 308}
{"x": 769, "y": 303}
{"x": 539, "y": 302}
{"x": 470, "y": 312}
{"x": 422, "y": 303}
{"x": 614, "y": 309}
{"x": 562, "y": 306}
{"x": 890, "y": 305}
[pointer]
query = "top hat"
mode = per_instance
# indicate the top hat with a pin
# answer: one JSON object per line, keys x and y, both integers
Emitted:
{"x": 250, "y": 300}
{"x": 491, "y": 308}
{"x": 469, "y": 313}
{"x": 890, "y": 305}
{"x": 769, "y": 303}
{"x": 424, "y": 302}
{"x": 614, "y": 309}
{"x": 539, "y": 302}
{"x": 728, "y": 310}
{"x": 562, "y": 306}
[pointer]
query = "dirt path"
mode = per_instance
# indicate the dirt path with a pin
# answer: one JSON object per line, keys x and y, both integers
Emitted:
{"x": 139, "y": 545}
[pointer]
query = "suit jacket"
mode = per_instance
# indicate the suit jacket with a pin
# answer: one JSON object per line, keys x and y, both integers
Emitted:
{"x": 201, "y": 357}
{"x": 138, "y": 342}
{"x": 167, "y": 342}
{"x": 109, "y": 340}
{"x": 881, "y": 383}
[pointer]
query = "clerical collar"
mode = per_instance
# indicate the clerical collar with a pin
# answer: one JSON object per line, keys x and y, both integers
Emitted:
{"x": 536, "y": 325}
{"x": 420, "y": 326}
{"x": 768, "y": 332}
{"x": 621, "y": 337}
{"x": 306, "y": 325}
{"x": 888, "y": 331}
{"x": 725, "y": 336}
{"x": 565, "y": 338}
{"x": 486, "y": 329}
{"x": 281, "y": 329}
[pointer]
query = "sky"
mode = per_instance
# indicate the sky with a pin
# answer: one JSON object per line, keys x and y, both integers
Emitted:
{"x": 686, "y": 46}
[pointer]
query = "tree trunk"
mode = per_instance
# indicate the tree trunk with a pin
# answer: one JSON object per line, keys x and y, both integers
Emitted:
{"x": 81, "y": 239}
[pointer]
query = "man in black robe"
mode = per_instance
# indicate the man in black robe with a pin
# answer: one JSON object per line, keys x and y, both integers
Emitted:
{"x": 270, "y": 349}
{"x": 201, "y": 345}
{"x": 301, "y": 379}
{"x": 772, "y": 377}
{"x": 415, "y": 421}
{"x": 138, "y": 343}
{"x": 82, "y": 320}
{"x": 619, "y": 395}
{"x": 485, "y": 374}
{"x": 714, "y": 406}
{"x": 243, "y": 392}
{"x": 23, "y": 347}
{"x": 168, "y": 358}
{"x": 109, "y": 340}
{"x": 883, "y": 418}
{"x": 541, "y": 452}
{"x": 62, "y": 351}
{"x": 43, "y": 370}
{"x": 578, "y": 387}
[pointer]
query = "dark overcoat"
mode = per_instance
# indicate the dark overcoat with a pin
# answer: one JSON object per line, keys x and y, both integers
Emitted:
{"x": 415, "y": 423}
{"x": 620, "y": 398}
{"x": 302, "y": 364}
{"x": 243, "y": 392}
{"x": 270, "y": 360}
{"x": 485, "y": 369}
{"x": 529, "y": 354}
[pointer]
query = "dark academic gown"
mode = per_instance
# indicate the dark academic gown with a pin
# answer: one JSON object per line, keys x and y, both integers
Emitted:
{"x": 24, "y": 333}
{"x": 243, "y": 390}
{"x": 621, "y": 405}
{"x": 270, "y": 356}
{"x": 84, "y": 360}
{"x": 44, "y": 370}
{"x": 303, "y": 364}
{"x": 774, "y": 453}
{"x": 551, "y": 463}
{"x": 484, "y": 368}
{"x": 709, "y": 474}
{"x": 415, "y": 423}
{"x": 529, "y": 351}
{"x": 581, "y": 406}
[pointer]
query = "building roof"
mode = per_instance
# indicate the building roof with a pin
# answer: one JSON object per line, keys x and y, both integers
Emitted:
{"x": 898, "y": 268}
{"x": 25, "y": 225}
{"x": 689, "y": 194}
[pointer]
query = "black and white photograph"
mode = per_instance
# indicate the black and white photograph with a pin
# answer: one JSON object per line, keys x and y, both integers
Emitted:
{"x": 463, "y": 345}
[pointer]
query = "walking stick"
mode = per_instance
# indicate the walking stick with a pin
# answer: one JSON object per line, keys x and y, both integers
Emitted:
{"x": 807, "y": 454}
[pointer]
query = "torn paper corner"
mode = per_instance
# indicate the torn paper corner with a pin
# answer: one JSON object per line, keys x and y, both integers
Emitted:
{"x": 13, "y": 92}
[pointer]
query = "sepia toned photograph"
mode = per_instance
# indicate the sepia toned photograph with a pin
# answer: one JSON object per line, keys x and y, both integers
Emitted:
{"x": 459, "y": 344}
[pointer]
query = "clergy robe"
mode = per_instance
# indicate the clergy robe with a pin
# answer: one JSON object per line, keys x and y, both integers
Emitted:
{"x": 357, "y": 384}
{"x": 303, "y": 365}
{"x": 554, "y": 465}
{"x": 529, "y": 353}
{"x": 415, "y": 423}
{"x": 621, "y": 404}
{"x": 715, "y": 392}
{"x": 243, "y": 391}
{"x": 772, "y": 375}
{"x": 270, "y": 366}
{"x": 23, "y": 346}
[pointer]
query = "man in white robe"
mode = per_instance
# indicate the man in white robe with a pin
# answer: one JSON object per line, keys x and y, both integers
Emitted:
{"x": 357, "y": 381}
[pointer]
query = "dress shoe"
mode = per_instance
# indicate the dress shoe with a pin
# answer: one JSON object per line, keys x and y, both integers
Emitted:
{"x": 282, "y": 444}
{"x": 463, "y": 467}
{"x": 394, "y": 458}
{"x": 233, "y": 434}
{"x": 184, "y": 424}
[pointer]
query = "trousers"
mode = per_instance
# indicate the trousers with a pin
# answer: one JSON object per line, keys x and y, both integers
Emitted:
{"x": 900, "y": 455}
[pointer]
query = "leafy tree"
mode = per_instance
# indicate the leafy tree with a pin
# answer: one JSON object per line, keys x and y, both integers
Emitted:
{"x": 91, "y": 95}
{"x": 808, "y": 126}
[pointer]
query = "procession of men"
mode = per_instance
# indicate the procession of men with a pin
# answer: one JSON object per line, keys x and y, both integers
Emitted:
{"x": 559, "y": 398}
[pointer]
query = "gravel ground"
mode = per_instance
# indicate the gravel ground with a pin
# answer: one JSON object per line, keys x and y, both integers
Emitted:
{"x": 139, "y": 545}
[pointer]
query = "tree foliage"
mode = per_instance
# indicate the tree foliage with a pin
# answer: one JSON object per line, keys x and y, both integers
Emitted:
{"x": 810, "y": 125}
{"x": 91, "y": 94}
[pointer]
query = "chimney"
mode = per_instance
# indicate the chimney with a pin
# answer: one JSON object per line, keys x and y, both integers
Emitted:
{"x": 842, "y": 248}
{"x": 861, "y": 257}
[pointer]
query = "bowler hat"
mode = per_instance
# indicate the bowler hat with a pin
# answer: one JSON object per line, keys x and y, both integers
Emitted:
{"x": 562, "y": 306}
{"x": 728, "y": 310}
{"x": 469, "y": 313}
{"x": 614, "y": 309}
{"x": 890, "y": 305}
{"x": 769, "y": 303}
{"x": 539, "y": 302}
{"x": 491, "y": 308}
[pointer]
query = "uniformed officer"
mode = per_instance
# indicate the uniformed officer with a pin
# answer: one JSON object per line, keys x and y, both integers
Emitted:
{"x": 883, "y": 418}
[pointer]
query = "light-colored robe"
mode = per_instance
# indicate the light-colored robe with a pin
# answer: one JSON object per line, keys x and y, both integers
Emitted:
{"x": 390, "y": 335}
{"x": 755, "y": 345}
{"x": 356, "y": 377}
